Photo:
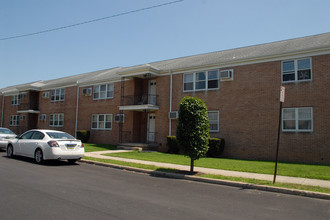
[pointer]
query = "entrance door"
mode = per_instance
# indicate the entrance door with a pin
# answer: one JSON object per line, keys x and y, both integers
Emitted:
{"x": 152, "y": 92}
{"x": 151, "y": 127}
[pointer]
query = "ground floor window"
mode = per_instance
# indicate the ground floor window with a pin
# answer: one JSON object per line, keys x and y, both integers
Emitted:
{"x": 102, "y": 121}
{"x": 214, "y": 120}
{"x": 297, "y": 119}
{"x": 56, "y": 120}
{"x": 14, "y": 120}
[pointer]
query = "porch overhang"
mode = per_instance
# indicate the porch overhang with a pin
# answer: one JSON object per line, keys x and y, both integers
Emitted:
{"x": 139, "y": 107}
{"x": 29, "y": 111}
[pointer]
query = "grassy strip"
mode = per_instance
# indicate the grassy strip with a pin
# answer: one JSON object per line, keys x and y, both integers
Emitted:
{"x": 98, "y": 147}
{"x": 245, "y": 180}
{"x": 263, "y": 167}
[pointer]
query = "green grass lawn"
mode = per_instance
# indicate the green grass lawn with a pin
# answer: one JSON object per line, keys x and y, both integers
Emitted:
{"x": 98, "y": 147}
{"x": 263, "y": 167}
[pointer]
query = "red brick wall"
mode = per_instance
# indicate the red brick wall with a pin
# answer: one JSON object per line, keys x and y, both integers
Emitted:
{"x": 249, "y": 111}
{"x": 68, "y": 107}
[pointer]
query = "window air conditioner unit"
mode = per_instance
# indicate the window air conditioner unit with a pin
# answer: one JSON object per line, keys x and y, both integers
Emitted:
{"x": 42, "y": 117}
{"x": 173, "y": 115}
{"x": 45, "y": 95}
{"x": 120, "y": 118}
{"x": 87, "y": 91}
{"x": 226, "y": 75}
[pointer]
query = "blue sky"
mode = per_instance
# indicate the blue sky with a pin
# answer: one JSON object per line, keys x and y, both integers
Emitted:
{"x": 182, "y": 29}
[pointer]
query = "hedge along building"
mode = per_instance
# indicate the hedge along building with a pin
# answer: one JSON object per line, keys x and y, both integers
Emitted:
{"x": 240, "y": 87}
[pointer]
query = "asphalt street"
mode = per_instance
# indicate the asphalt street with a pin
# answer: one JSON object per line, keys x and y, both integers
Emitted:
{"x": 58, "y": 190}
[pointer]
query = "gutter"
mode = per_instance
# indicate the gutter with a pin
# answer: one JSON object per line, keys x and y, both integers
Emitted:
{"x": 170, "y": 120}
{"x": 77, "y": 111}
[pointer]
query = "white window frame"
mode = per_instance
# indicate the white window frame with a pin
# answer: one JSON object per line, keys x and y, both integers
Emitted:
{"x": 15, "y": 100}
{"x": 217, "y": 121}
{"x": 96, "y": 119}
{"x": 56, "y": 120}
{"x": 230, "y": 78}
{"x": 109, "y": 88}
{"x": 195, "y": 81}
{"x": 296, "y": 70}
{"x": 121, "y": 118}
{"x": 45, "y": 95}
{"x": 296, "y": 119}
{"x": 43, "y": 117}
{"x": 57, "y": 95}
{"x": 14, "y": 120}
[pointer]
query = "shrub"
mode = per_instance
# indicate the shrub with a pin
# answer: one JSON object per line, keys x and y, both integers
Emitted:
{"x": 216, "y": 147}
{"x": 193, "y": 128}
{"x": 83, "y": 135}
{"x": 172, "y": 145}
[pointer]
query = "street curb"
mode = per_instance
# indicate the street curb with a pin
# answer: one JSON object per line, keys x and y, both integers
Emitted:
{"x": 316, "y": 195}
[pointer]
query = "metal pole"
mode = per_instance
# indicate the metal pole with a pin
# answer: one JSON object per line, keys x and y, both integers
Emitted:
{"x": 278, "y": 141}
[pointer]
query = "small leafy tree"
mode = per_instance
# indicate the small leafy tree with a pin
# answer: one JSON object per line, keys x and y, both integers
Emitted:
{"x": 193, "y": 128}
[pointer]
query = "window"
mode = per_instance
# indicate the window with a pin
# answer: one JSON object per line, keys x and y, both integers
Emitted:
{"x": 297, "y": 70}
{"x": 42, "y": 117}
{"x": 104, "y": 91}
{"x": 297, "y": 119}
{"x": 37, "y": 135}
{"x": 26, "y": 135}
{"x": 214, "y": 121}
{"x": 205, "y": 80}
{"x": 15, "y": 100}
{"x": 226, "y": 75}
{"x": 45, "y": 95}
{"x": 22, "y": 96}
{"x": 14, "y": 120}
{"x": 102, "y": 121}
{"x": 22, "y": 118}
{"x": 120, "y": 118}
{"x": 56, "y": 120}
{"x": 57, "y": 95}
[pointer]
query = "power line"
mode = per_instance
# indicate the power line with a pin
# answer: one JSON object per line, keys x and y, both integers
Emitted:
{"x": 90, "y": 21}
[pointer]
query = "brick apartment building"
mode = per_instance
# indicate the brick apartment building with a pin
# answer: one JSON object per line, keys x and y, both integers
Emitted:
{"x": 240, "y": 87}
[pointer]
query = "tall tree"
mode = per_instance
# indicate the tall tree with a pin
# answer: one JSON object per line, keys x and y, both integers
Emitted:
{"x": 193, "y": 128}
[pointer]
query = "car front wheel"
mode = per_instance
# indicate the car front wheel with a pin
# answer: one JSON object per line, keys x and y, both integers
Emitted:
{"x": 10, "y": 151}
{"x": 38, "y": 156}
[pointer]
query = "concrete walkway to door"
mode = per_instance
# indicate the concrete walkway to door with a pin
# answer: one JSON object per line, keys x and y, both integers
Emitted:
{"x": 268, "y": 177}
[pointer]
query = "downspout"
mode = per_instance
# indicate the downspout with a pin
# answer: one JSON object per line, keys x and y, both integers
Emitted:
{"x": 170, "y": 120}
{"x": 77, "y": 111}
{"x": 3, "y": 108}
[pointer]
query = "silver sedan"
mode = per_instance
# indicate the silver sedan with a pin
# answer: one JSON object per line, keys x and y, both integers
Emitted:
{"x": 5, "y": 136}
{"x": 46, "y": 145}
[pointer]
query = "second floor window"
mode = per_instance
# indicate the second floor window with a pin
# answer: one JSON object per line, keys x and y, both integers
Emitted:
{"x": 296, "y": 70}
{"x": 104, "y": 91}
{"x": 205, "y": 80}
{"x": 15, "y": 100}
{"x": 57, "y": 95}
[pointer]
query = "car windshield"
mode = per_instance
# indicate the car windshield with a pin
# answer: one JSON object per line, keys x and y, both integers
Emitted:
{"x": 59, "y": 135}
{"x": 6, "y": 131}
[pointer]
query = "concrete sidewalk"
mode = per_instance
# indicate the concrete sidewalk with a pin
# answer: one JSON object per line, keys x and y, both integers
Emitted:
{"x": 282, "y": 179}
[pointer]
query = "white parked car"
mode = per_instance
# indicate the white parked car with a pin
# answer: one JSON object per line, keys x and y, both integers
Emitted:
{"x": 46, "y": 145}
{"x": 5, "y": 136}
